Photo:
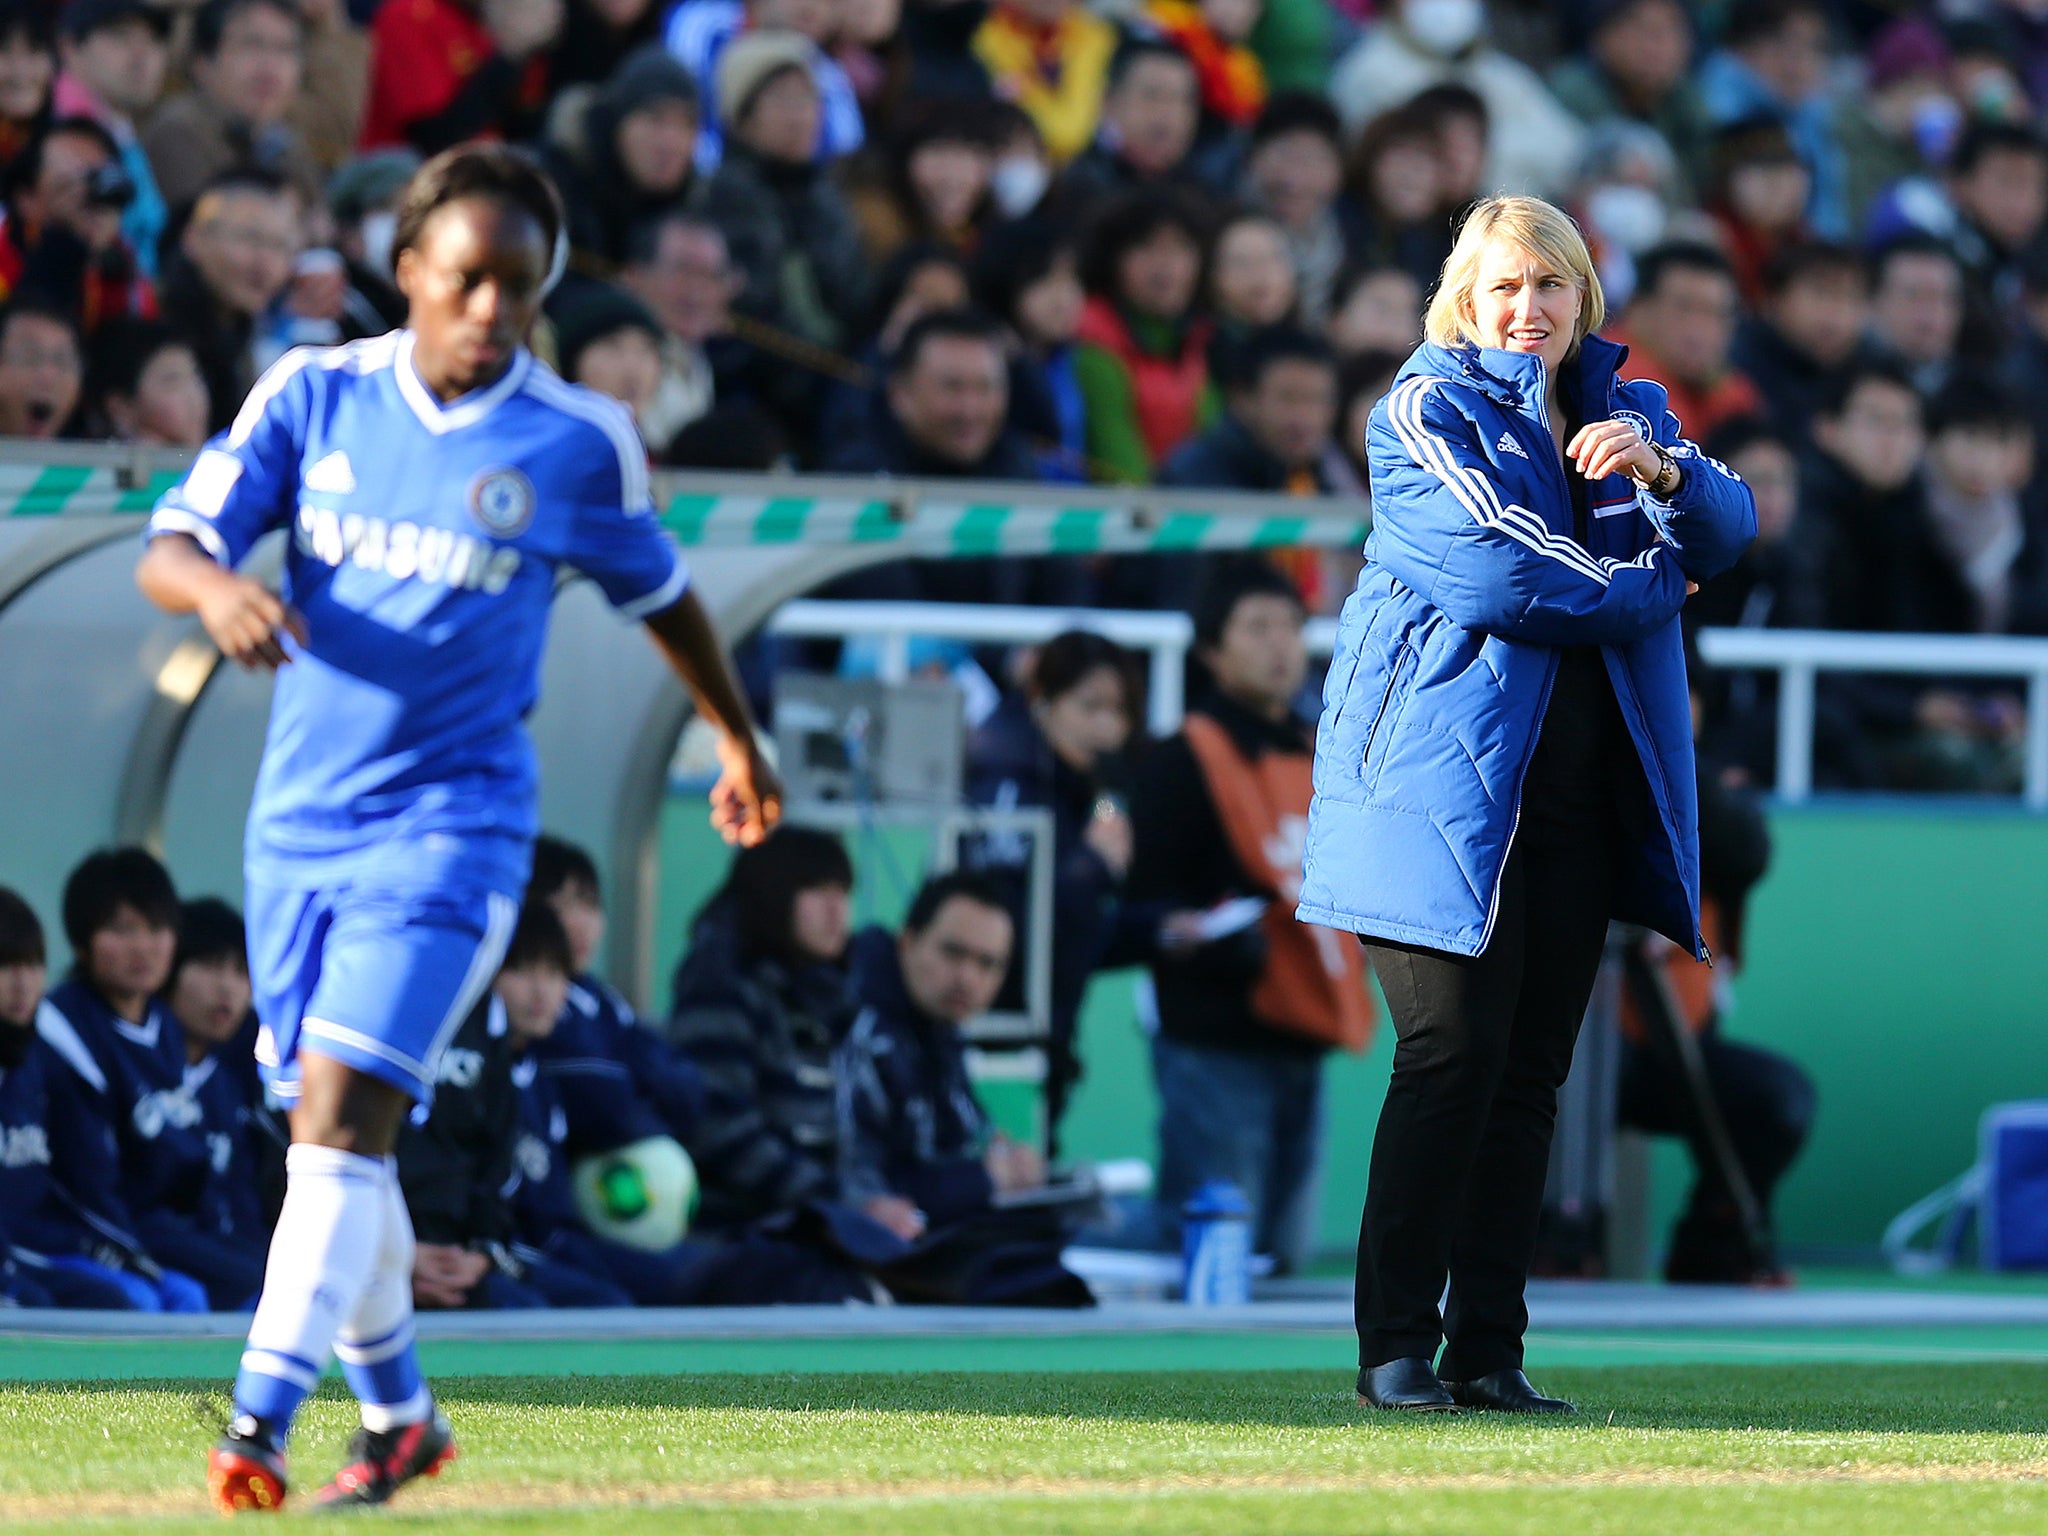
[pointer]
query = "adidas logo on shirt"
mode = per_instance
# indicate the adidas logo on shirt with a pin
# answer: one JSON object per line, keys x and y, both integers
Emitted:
{"x": 1507, "y": 444}
{"x": 332, "y": 474}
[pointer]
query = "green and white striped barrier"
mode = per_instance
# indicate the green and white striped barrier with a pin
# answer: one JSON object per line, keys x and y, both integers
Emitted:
{"x": 922, "y": 518}
{"x": 936, "y": 526}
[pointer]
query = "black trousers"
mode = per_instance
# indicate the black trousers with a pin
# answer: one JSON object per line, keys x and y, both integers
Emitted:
{"x": 1482, "y": 1046}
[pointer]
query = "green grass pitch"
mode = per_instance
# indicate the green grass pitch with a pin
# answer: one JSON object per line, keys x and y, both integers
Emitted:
{"x": 1808, "y": 1448}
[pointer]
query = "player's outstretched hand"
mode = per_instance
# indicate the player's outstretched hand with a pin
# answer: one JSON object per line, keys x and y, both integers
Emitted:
{"x": 248, "y": 622}
{"x": 746, "y": 802}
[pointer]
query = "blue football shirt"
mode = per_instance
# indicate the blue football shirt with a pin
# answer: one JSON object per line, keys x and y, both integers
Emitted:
{"x": 425, "y": 539}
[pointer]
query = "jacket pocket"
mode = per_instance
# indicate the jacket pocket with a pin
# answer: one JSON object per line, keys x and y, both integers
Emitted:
{"x": 1404, "y": 664}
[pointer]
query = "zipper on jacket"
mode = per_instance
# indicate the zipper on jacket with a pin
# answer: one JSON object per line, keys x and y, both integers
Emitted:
{"x": 1386, "y": 700}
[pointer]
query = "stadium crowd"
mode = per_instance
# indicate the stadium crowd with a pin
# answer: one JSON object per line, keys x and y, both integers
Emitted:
{"x": 1173, "y": 241}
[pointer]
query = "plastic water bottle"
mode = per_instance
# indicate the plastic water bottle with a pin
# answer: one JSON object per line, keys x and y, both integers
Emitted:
{"x": 1216, "y": 1246}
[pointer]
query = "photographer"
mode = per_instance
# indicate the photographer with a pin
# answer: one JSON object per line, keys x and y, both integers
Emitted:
{"x": 60, "y": 233}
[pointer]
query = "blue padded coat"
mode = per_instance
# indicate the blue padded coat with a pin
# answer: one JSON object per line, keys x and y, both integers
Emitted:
{"x": 1447, "y": 650}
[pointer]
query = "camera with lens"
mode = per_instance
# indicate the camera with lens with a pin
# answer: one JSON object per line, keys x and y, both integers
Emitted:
{"x": 110, "y": 186}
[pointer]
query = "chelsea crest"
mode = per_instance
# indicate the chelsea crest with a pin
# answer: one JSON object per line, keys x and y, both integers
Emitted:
{"x": 503, "y": 501}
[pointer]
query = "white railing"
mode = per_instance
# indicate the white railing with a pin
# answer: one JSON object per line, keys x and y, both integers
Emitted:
{"x": 1797, "y": 655}
{"x": 1163, "y": 637}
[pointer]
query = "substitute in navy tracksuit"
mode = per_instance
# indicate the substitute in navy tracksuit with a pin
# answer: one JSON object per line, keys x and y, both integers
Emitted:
{"x": 47, "y": 1247}
{"x": 1504, "y": 764}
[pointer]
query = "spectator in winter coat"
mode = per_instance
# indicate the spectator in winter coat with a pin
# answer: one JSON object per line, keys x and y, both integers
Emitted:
{"x": 785, "y": 222}
{"x": 948, "y": 400}
{"x": 1274, "y": 436}
{"x": 625, "y": 156}
{"x": 761, "y": 1002}
{"x": 1398, "y": 189}
{"x": 910, "y": 1127}
{"x": 1638, "y": 67}
{"x": 46, "y": 1243}
{"x": 1294, "y": 169}
{"x": 145, "y": 386}
{"x": 1757, "y": 194}
{"x": 1143, "y": 358}
{"x": 1772, "y": 64}
{"x": 607, "y": 340}
{"x": 1274, "y": 433}
{"x": 1771, "y": 586}
{"x": 125, "y": 1134}
{"x": 247, "y": 63}
{"x": 700, "y": 31}
{"x": 1808, "y": 333}
{"x": 1149, "y": 118}
{"x": 932, "y": 183}
{"x": 233, "y": 266}
{"x": 1869, "y": 535}
{"x": 1029, "y": 278}
{"x": 1916, "y": 309}
{"x": 28, "y": 68}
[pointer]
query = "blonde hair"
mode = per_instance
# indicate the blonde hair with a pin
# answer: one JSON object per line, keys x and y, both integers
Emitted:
{"x": 1542, "y": 229}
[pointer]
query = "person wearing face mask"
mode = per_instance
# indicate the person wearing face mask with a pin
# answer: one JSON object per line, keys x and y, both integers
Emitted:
{"x": 1023, "y": 168}
{"x": 1535, "y": 142}
{"x": 1623, "y": 200}
{"x": 1505, "y": 764}
{"x": 1902, "y": 126}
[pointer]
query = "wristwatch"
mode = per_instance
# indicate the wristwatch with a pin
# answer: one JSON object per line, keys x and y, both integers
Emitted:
{"x": 1665, "y": 481}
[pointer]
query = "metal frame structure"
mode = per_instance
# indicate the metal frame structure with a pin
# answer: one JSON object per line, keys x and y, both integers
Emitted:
{"x": 1798, "y": 655}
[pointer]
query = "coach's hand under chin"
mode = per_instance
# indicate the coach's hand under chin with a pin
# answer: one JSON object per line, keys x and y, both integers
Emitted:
{"x": 746, "y": 802}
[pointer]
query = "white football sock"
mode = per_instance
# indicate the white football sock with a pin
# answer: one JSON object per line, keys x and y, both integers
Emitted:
{"x": 327, "y": 1239}
{"x": 375, "y": 1345}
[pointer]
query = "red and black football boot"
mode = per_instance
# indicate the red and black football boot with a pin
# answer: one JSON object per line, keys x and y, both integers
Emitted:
{"x": 380, "y": 1462}
{"x": 245, "y": 1469}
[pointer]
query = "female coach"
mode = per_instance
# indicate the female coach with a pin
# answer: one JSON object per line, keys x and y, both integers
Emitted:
{"x": 1504, "y": 763}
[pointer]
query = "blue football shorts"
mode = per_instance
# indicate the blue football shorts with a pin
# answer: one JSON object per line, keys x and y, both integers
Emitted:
{"x": 377, "y": 979}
